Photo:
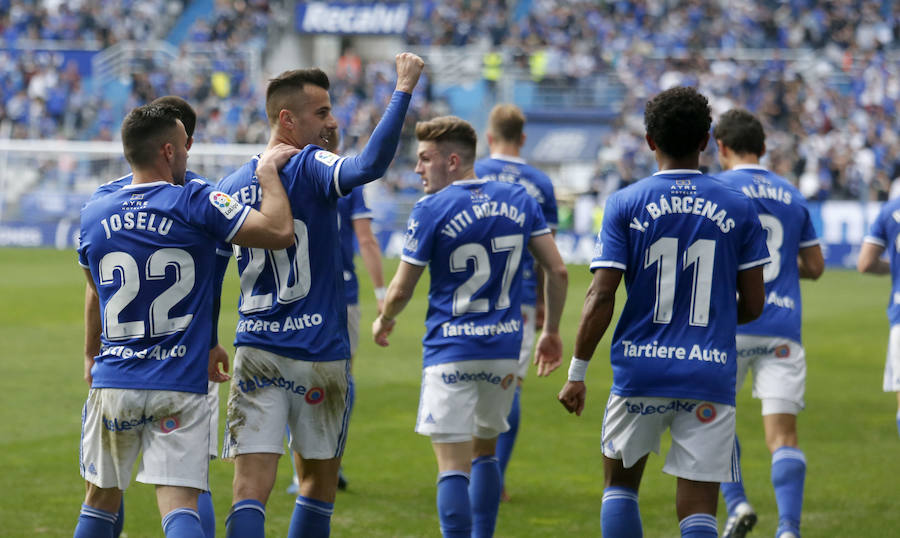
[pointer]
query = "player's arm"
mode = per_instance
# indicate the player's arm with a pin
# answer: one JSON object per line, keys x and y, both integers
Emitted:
{"x": 370, "y": 252}
{"x": 272, "y": 227}
{"x": 376, "y": 156}
{"x": 539, "y": 305}
{"x": 810, "y": 262}
{"x": 92, "y": 325}
{"x": 596, "y": 315}
{"x": 217, "y": 354}
{"x": 751, "y": 294}
{"x": 548, "y": 352}
{"x": 398, "y": 295}
{"x": 870, "y": 260}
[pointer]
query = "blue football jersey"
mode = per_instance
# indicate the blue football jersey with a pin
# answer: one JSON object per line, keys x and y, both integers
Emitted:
{"x": 116, "y": 184}
{"x": 785, "y": 218}
{"x": 885, "y": 232}
{"x": 514, "y": 170}
{"x": 292, "y": 301}
{"x": 472, "y": 235}
{"x": 148, "y": 248}
{"x": 351, "y": 207}
{"x": 681, "y": 238}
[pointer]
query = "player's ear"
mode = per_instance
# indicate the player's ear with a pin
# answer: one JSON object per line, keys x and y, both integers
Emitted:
{"x": 453, "y": 161}
{"x": 704, "y": 142}
{"x": 763, "y": 152}
{"x": 286, "y": 119}
{"x": 168, "y": 151}
{"x": 190, "y": 142}
{"x": 650, "y": 142}
{"x": 522, "y": 140}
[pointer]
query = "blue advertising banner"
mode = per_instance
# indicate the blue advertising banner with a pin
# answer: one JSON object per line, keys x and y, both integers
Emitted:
{"x": 356, "y": 18}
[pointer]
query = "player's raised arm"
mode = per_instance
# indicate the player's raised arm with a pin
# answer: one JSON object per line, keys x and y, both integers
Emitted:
{"x": 398, "y": 295}
{"x": 548, "y": 352}
{"x": 272, "y": 227}
{"x": 378, "y": 153}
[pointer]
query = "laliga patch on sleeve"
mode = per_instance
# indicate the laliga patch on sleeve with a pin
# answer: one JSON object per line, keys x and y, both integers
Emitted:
{"x": 326, "y": 157}
{"x": 226, "y": 205}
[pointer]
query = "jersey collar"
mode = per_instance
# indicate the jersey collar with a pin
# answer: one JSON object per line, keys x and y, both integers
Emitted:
{"x": 510, "y": 158}
{"x": 469, "y": 181}
{"x": 749, "y": 167}
{"x": 142, "y": 185}
{"x": 680, "y": 171}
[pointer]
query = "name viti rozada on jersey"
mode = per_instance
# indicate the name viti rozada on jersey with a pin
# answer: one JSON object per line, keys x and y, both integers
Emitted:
{"x": 483, "y": 210}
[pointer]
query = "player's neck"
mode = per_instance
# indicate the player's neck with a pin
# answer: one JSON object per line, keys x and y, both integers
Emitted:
{"x": 502, "y": 147}
{"x": 151, "y": 175}
{"x": 280, "y": 137}
{"x": 665, "y": 162}
{"x": 466, "y": 174}
{"x": 739, "y": 160}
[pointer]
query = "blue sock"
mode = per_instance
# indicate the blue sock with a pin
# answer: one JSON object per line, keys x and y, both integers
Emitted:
{"x": 788, "y": 474}
{"x": 620, "y": 514}
{"x": 94, "y": 523}
{"x": 246, "y": 520}
{"x": 699, "y": 526}
{"x": 453, "y": 506}
{"x": 733, "y": 492}
{"x": 120, "y": 520}
{"x": 311, "y": 518}
{"x": 182, "y": 523}
{"x": 507, "y": 439}
{"x": 207, "y": 514}
{"x": 484, "y": 495}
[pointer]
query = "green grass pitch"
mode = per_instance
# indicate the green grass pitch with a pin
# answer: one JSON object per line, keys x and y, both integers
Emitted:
{"x": 848, "y": 431}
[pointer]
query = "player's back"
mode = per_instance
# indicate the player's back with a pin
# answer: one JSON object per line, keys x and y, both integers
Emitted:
{"x": 515, "y": 170}
{"x": 785, "y": 218}
{"x": 148, "y": 247}
{"x": 292, "y": 300}
{"x": 472, "y": 234}
{"x": 886, "y": 233}
{"x": 680, "y": 237}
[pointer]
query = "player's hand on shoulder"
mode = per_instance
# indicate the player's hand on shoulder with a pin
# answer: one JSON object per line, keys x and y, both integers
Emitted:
{"x": 409, "y": 68}
{"x": 381, "y": 329}
{"x": 277, "y": 156}
{"x": 548, "y": 353}
{"x": 572, "y": 396}
{"x": 217, "y": 356}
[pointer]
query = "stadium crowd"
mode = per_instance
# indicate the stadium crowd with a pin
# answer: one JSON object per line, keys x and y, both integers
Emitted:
{"x": 831, "y": 114}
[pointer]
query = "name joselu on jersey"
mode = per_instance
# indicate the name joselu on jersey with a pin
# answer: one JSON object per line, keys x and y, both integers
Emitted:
{"x": 138, "y": 220}
{"x": 687, "y": 205}
{"x": 483, "y": 210}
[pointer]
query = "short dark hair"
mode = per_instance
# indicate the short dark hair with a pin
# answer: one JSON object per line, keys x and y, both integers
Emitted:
{"x": 677, "y": 120}
{"x": 145, "y": 129}
{"x": 450, "y": 130}
{"x": 185, "y": 112}
{"x": 282, "y": 87}
{"x": 506, "y": 122}
{"x": 741, "y": 132}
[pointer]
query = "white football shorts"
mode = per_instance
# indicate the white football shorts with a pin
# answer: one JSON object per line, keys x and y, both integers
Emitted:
{"x": 779, "y": 372}
{"x": 212, "y": 399}
{"x": 892, "y": 364}
{"x": 353, "y": 316}
{"x": 702, "y": 435}
{"x": 528, "y": 330}
{"x": 466, "y": 399}
{"x": 269, "y": 391}
{"x": 170, "y": 430}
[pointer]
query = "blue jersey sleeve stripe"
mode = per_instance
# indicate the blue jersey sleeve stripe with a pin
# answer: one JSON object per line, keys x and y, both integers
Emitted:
{"x": 223, "y": 252}
{"x": 750, "y": 265}
{"x": 608, "y": 264}
{"x": 239, "y": 223}
{"x": 542, "y": 231}
{"x": 811, "y": 242}
{"x": 413, "y": 261}
{"x": 362, "y": 215}
{"x": 337, "y": 175}
{"x": 874, "y": 240}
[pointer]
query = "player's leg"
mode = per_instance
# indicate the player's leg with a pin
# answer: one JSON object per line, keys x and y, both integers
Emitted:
{"x": 204, "y": 502}
{"x": 620, "y": 513}
{"x": 98, "y": 514}
{"x": 178, "y": 508}
{"x": 454, "y": 458}
{"x": 741, "y": 515}
{"x": 507, "y": 440}
{"x": 319, "y": 420}
{"x": 702, "y": 455}
{"x": 259, "y": 396}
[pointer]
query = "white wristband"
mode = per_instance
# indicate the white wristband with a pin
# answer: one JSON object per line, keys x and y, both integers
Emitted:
{"x": 577, "y": 369}
{"x": 380, "y": 293}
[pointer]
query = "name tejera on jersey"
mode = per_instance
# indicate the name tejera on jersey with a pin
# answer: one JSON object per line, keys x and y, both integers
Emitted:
{"x": 483, "y": 210}
{"x": 669, "y": 205}
{"x": 290, "y": 323}
{"x": 656, "y": 351}
{"x": 137, "y": 220}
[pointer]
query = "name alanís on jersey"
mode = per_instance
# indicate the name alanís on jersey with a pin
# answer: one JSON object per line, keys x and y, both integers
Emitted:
{"x": 514, "y": 177}
{"x": 483, "y": 210}
{"x": 763, "y": 188}
{"x": 668, "y": 205}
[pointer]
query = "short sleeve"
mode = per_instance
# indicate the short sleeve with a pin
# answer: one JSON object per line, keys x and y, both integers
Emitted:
{"x": 611, "y": 247}
{"x": 549, "y": 207}
{"x": 808, "y": 235}
{"x": 538, "y": 223}
{"x": 878, "y": 231}
{"x": 754, "y": 251}
{"x": 359, "y": 209}
{"x": 212, "y": 210}
{"x": 82, "y": 249}
{"x": 419, "y": 239}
